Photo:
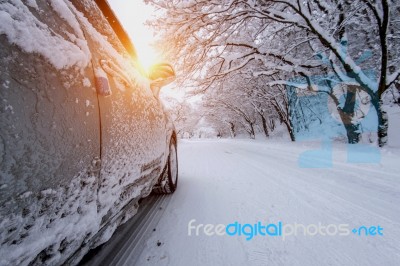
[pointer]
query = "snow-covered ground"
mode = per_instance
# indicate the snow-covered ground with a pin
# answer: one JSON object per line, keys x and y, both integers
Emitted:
{"x": 227, "y": 181}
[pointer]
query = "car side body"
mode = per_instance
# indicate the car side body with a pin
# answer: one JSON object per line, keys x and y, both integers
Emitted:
{"x": 82, "y": 136}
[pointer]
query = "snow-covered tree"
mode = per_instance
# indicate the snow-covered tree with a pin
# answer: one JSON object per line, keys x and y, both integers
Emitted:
{"x": 183, "y": 115}
{"x": 211, "y": 40}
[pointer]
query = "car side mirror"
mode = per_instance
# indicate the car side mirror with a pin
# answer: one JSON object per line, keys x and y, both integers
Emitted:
{"x": 160, "y": 75}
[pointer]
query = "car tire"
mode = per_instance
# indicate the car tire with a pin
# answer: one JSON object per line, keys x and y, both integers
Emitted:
{"x": 169, "y": 180}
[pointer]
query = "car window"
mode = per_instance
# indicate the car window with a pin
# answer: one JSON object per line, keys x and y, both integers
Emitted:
{"x": 95, "y": 17}
{"x": 98, "y": 20}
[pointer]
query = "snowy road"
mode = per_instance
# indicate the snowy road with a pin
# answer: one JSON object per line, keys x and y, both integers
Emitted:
{"x": 250, "y": 181}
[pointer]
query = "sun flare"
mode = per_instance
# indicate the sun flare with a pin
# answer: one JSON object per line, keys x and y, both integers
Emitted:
{"x": 147, "y": 56}
{"x": 133, "y": 16}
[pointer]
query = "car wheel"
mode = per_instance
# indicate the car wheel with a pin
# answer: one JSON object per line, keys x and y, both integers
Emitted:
{"x": 169, "y": 180}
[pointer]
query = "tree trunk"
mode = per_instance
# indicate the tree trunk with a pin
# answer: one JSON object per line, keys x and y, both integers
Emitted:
{"x": 347, "y": 113}
{"x": 265, "y": 126}
{"x": 291, "y": 132}
{"x": 232, "y": 130}
{"x": 383, "y": 123}
{"x": 288, "y": 123}
{"x": 353, "y": 134}
{"x": 251, "y": 131}
{"x": 289, "y": 127}
{"x": 272, "y": 124}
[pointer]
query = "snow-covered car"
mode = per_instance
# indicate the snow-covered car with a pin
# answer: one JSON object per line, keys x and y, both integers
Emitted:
{"x": 83, "y": 135}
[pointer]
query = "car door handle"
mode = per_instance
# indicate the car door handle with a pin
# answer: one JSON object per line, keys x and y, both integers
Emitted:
{"x": 113, "y": 70}
{"x": 103, "y": 87}
{"x": 108, "y": 68}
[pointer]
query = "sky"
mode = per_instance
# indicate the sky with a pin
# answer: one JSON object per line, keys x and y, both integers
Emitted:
{"x": 133, "y": 14}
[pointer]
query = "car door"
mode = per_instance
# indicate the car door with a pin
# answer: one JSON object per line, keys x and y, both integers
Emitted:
{"x": 133, "y": 124}
{"x": 49, "y": 134}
